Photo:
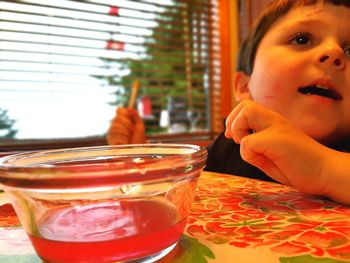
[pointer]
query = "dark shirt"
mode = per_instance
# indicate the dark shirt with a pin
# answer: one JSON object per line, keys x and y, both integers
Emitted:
{"x": 224, "y": 157}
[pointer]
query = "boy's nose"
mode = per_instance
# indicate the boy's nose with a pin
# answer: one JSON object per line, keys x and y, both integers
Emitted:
{"x": 332, "y": 56}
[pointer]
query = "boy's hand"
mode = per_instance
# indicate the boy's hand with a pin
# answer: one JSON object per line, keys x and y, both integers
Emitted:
{"x": 274, "y": 145}
{"x": 126, "y": 128}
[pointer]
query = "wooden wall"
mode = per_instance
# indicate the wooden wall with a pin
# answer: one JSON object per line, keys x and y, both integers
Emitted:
{"x": 249, "y": 10}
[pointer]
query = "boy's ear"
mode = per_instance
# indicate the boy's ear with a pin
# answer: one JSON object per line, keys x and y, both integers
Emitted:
{"x": 241, "y": 89}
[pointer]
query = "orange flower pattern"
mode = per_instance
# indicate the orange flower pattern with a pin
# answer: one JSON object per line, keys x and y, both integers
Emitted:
{"x": 248, "y": 213}
{"x": 8, "y": 216}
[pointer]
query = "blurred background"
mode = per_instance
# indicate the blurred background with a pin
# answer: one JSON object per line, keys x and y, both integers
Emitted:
{"x": 65, "y": 66}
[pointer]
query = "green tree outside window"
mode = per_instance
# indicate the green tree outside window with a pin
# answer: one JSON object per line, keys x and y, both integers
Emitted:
{"x": 6, "y": 124}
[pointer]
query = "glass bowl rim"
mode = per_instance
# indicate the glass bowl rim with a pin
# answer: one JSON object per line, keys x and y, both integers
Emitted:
{"x": 41, "y": 175}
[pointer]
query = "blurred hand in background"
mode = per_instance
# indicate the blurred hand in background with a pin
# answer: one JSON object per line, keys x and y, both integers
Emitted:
{"x": 126, "y": 128}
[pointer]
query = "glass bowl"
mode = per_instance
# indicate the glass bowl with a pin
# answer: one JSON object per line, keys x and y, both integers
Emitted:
{"x": 105, "y": 203}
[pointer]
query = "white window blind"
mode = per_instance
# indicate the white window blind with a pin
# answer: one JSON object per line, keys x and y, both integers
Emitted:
{"x": 66, "y": 65}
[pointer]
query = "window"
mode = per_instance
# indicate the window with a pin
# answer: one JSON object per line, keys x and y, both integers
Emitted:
{"x": 66, "y": 65}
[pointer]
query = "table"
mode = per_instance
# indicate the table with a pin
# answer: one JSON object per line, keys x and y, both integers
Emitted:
{"x": 235, "y": 219}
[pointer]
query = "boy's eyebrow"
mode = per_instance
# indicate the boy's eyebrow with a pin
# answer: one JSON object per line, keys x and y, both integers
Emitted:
{"x": 306, "y": 22}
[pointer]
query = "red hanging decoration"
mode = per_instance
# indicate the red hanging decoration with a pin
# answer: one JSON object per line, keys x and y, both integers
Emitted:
{"x": 113, "y": 11}
{"x": 115, "y": 45}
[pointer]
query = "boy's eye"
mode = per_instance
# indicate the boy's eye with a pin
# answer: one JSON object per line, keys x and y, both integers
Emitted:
{"x": 347, "y": 51}
{"x": 301, "y": 39}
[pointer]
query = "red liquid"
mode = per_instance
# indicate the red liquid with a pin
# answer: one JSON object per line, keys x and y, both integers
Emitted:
{"x": 107, "y": 232}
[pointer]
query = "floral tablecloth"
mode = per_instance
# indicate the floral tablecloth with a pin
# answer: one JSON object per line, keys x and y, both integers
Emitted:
{"x": 235, "y": 219}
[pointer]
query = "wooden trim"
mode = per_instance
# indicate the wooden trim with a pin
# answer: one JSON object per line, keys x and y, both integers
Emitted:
{"x": 234, "y": 43}
{"x": 229, "y": 42}
{"x": 44, "y": 144}
{"x": 224, "y": 14}
{"x": 15, "y": 146}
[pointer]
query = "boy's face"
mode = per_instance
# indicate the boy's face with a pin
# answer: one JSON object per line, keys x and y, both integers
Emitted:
{"x": 302, "y": 70}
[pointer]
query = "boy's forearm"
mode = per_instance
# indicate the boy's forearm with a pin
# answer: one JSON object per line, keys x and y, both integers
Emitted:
{"x": 337, "y": 168}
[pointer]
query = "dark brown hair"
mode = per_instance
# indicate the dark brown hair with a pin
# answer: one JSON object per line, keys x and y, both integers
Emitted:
{"x": 268, "y": 17}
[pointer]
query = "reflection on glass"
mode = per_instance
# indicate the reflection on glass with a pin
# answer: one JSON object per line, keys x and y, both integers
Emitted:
{"x": 193, "y": 116}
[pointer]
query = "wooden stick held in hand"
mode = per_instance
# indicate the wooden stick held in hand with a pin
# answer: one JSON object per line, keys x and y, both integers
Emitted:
{"x": 134, "y": 92}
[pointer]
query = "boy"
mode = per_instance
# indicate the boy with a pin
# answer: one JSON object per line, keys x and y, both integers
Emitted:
{"x": 295, "y": 67}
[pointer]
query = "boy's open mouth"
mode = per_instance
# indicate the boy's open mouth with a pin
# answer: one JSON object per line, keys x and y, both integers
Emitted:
{"x": 320, "y": 91}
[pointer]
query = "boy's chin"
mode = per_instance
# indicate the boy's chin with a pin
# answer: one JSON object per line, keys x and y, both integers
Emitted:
{"x": 342, "y": 144}
{"x": 322, "y": 136}
{"x": 333, "y": 141}
{"x": 325, "y": 132}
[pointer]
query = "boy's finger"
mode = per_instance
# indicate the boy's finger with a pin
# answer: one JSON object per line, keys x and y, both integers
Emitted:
{"x": 231, "y": 117}
{"x": 239, "y": 127}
